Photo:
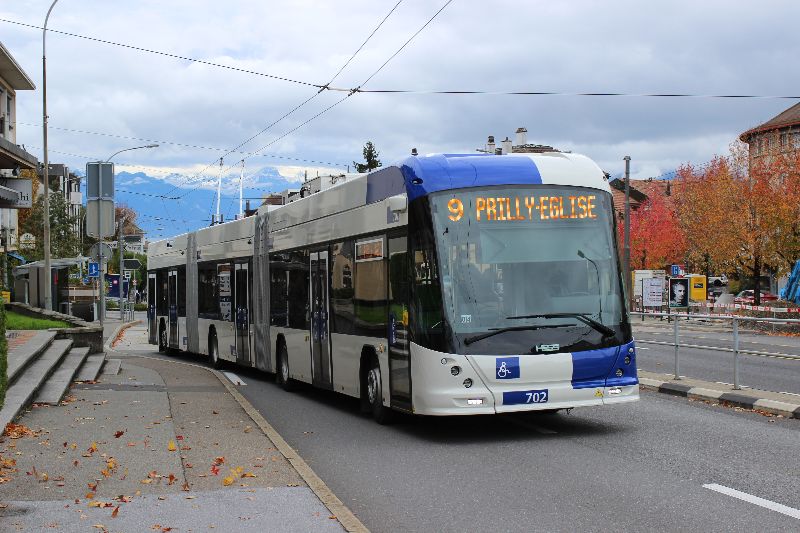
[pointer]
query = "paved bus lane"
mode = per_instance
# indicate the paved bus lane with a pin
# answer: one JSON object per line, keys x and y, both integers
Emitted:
{"x": 627, "y": 467}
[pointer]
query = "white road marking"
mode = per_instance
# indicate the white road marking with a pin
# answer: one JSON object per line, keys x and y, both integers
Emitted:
{"x": 642, "y": 348}
{"x": 233, "y": 378}
{"x": 755, "y": 500}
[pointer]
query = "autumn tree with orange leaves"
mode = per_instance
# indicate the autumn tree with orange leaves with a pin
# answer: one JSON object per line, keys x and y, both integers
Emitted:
{"x": 741, "y": 213}
{"x": 656, "y": 237}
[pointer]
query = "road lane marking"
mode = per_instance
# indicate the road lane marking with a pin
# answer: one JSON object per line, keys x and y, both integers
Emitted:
{"x": 233, "y": 378}
{"x": 755, "y": 500}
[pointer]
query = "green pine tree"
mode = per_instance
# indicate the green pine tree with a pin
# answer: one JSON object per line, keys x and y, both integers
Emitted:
{"x": 370, "y": 156}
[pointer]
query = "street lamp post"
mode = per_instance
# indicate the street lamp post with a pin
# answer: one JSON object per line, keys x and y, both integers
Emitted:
{"x": 48, "y": 288}
{"x": 108, "y": 159}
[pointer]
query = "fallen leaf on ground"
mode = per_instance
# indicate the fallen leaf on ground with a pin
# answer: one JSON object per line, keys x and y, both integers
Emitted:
{"x": 118, "y": 434}
{"x": 215, "y": 470}
{"x": 115, "y": 512}
{"x": 171, "y": 479}
{"x": 186, "y": 486}
{"x": 227, "y": 481}
{"x": 171, "y": 446}
{"x": 100, "y": 504}
{"x": 248, "y": 474}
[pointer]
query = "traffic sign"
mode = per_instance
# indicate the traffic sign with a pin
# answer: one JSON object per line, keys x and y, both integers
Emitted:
{"x": 94, "y": 253}
{"x": 99, "y": 180}
{"x": 100, "y": 218}
{"x": 675, "y": 271}
{"x": 131, "y": 264}
{"x": 94, "y": 270}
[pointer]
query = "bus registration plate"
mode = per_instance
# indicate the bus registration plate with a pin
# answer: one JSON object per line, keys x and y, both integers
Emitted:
{"x": 523, "y": 397}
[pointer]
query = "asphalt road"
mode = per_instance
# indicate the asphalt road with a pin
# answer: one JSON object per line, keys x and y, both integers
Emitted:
{"x": 634, "y": 467}
{"x": 769, "y": 373}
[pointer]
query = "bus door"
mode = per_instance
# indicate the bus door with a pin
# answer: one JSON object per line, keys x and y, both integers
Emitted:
{"x": 398, "y": 342}
{"x": 172, "y": 301}
{"x": 320, "y": 330}
{"x": 152, "y": 328}
{"x": 242, "y": 318}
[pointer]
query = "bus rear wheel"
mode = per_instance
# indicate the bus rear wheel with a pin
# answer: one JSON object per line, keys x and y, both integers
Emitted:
{"x": 213, "y": 352}
{"x": 282, "y": 375}
{"x": 381, "y": 413}
{"x": 162, "y": 338}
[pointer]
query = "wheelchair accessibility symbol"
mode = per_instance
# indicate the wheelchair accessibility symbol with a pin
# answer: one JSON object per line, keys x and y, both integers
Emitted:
{"x": 507, "y": 367}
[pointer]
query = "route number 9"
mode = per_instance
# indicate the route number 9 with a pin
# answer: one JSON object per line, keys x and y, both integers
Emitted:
{"x": 456, "y": 209}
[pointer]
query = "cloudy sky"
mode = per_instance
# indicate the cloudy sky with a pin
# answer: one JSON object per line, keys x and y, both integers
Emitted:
{"x": 103, "y": 98}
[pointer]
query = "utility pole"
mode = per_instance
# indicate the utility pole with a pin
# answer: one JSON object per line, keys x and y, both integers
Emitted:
{"x": 121, "y": 250}
{"x": 627, "y": 247}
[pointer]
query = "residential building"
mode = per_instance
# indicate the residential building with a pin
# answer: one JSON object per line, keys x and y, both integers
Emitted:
{"x": 68, "y": 184}
{"x": 780, "y": 134}
{"x": 13, "y": 157}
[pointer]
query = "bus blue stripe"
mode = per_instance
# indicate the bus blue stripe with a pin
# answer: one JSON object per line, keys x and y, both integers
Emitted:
{"x": 427, "y": 174}
{"x": 596, "y": 368}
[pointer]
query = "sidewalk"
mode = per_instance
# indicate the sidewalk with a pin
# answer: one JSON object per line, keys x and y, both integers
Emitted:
{"x": 163, "y": 446}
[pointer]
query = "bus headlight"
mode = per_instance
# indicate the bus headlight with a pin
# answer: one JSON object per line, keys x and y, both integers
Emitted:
{"x": 468, "y": 383}
{"x": 627, "y": 359}
{"x": 455, "y": 370}
{"x": 619, "y": 372}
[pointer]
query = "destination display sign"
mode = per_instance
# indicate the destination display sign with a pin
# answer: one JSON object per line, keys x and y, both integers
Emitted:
{"x": 517, "y": 208}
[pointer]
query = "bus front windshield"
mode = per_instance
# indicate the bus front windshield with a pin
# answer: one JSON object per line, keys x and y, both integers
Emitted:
{"x": 529, "y": 269}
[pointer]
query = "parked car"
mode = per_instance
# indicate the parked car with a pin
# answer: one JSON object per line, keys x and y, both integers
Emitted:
{"x": 718, "y": 281}
{"x": 748, "y": 297}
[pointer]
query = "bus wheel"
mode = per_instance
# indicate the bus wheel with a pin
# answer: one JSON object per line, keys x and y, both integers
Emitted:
{"x": 381, "y": 413}
{"x": 213, "y": 352}
{"x": 162, "y": 339}
{"x": 282, "y": 375}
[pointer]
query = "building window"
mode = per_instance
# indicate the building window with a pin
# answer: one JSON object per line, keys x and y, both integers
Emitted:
{"x": 783, "y": 139}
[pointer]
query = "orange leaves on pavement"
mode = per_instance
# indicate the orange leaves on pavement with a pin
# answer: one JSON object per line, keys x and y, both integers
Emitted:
{"x": 17, "y": 431}
{"x": 215, "y": 470}
{"x": 115, "y": 512}
{"x": 120, "y": 433}
{"x": 171, "y": 446}
{"x": 227, "y": 481}
{"x": 171, "y": 479}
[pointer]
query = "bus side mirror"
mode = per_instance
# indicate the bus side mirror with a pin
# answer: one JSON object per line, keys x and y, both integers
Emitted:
{"x": 398, "y": 204}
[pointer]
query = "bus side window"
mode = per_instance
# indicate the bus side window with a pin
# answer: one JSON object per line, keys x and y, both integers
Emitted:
{"x": 297, "y": 293}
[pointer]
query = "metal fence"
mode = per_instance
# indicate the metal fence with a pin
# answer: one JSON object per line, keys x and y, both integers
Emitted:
{"x": 736, "y": 320}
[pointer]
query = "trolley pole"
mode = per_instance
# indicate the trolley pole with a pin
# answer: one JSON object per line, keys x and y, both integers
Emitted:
{"x": 626, "y": 260}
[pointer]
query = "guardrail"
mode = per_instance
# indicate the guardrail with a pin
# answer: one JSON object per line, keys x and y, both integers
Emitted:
{"x": 735, "y": 350}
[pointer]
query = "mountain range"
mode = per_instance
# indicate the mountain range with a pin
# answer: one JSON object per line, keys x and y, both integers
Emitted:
{"x": 176, "y": 203}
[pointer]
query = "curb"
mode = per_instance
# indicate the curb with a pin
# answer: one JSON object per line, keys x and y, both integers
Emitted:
{"x": 108, "y": 345}
{"x": 788, "y": 410}
{"x": 342, "y": 513}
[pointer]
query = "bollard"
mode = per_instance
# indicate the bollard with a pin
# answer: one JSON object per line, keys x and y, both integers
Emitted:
{"x": 736, "y": 354}
{"x": 675, "y": 325}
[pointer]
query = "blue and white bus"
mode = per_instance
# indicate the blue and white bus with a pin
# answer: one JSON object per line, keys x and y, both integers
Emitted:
{"x": 441, "y": 285}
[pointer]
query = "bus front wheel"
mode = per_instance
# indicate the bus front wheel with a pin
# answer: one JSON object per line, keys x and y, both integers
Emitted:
{"x": 381, "y": 413}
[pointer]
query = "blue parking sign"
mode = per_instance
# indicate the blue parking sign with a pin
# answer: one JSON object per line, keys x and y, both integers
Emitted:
{"x": 94, "y": 270}
{"x": 676, "y": 271}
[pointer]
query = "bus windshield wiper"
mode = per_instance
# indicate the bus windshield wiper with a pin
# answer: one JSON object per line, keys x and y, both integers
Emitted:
{"x": 475, "y": 338}
{"x": 586, "y": 319}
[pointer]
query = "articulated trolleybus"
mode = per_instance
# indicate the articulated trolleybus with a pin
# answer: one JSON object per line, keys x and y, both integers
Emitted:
{"x": 442, "y": 285}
